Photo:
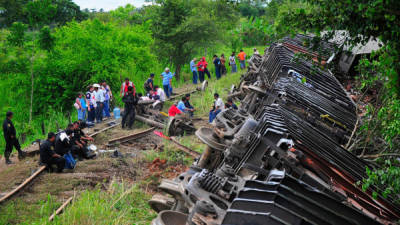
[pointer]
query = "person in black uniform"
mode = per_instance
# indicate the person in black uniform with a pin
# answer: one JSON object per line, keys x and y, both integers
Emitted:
{"x": 80, "y": 143}
{"x": 63, "y": 142}
{"x": 129, "y": 112}
{"x": 48, "y": 155}
{"x": 10, "y": 135}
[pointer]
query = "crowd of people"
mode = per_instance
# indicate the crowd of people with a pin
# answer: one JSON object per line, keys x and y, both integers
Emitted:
{"x": 63, "y": 148}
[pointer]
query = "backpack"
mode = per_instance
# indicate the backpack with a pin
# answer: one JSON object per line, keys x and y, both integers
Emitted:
{"x": 69, "y": 161}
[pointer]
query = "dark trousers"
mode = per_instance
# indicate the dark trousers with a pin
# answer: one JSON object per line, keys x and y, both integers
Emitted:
{"x": 128, "y": 118}
{"x": 91, "y": 114}
{"x": 166, "y": 90}
{"x": 208, "y": 73}
{"x": 194, "y": 77}
{"x": 223, "y": 70}
{"x": 99, "y": 112}
{"x": 59, "y": 162}
{"x": 9, "y": 147}
{"x": 201, "y": 76}
{"x": 218, "y": 72}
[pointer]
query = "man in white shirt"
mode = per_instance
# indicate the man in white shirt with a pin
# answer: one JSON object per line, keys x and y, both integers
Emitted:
{"x": 161, "y": 93}
{"x": 217, "y": 108}
{"x": 99, "y": 96}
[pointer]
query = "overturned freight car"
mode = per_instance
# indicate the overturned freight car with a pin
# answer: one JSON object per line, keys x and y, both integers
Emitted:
{"x": 279, "y": 158}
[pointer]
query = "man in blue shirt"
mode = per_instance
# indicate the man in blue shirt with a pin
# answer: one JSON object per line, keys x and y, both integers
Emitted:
{"x": 193, "y": 68}
{"x": 181, "y": 105}
{"x": 167, "y": 81}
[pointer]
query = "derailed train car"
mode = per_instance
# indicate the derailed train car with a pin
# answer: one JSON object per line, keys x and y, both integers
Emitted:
{"x": 279, "y": 158}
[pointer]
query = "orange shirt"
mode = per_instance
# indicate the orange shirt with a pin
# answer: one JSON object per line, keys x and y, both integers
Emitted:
{"x": 242, "y": 56}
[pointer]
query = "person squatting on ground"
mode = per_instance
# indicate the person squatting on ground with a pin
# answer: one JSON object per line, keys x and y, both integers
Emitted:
{"x": 10, "y": 136}
{"x": 48, "y": 155}
{"x": 130, "y": 101}
{"x": 217, "y": 108}
{"x": 193, "y": 68}
{"x": 189, "y": 106}
{"x": 217, "y": 64}
{"x": 63, "y": 142}
{"x": 166, "y": 77}
{"x": 107, "y": 98}
{"x": 173, "y": 110}
{"x": 80, "y": 144}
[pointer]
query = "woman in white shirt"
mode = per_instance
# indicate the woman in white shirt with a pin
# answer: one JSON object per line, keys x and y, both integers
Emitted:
{"x": 232, "y": 63}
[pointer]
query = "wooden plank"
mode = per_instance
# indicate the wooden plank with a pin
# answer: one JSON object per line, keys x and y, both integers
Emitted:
{"x": 59, "y": 210}
{"x": 41, "y": 169}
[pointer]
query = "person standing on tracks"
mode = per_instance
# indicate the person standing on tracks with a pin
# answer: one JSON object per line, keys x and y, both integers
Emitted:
{"x": 107, "y": 97}
{"x": 99, "y": 96}
{"x": 129, "y": 112}
{"x": 167, "y": 81}
{"x": 125, "y": 85}
{"x": 10, "y": 136}
{"x": 242, "y": 59}
{"x": 201, "y": 68}
{"x": 217, "y": 108}
{"x": 80, "y": 105}
{"x": 48, "y": 155}
{"x": 217, "y": 64}
{"x": 91, "y": 104}
{"x": 193, "y": 68}
{"x": 223, "y": 67}
{"x": 232, "y": 63}
{"x": 205, "y": 63}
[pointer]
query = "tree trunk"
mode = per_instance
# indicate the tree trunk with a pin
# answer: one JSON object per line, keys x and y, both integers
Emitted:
{"x": 178, "y": 72}
{"x": 32, "y": 85}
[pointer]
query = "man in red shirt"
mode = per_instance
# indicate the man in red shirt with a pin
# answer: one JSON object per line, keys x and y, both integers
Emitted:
{"x": 242, "y": 59}
{"x": 173, "y": 110}
{"x": 125, "y": 85}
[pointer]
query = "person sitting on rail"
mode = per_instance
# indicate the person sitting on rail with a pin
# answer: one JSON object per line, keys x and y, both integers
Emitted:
{"x": 48, "y": 155}
{"x": 229, "y": 104}
{"x": 189, "y": 106}
{"x": 217, "y": 107}
{"x": 173, "y": 110}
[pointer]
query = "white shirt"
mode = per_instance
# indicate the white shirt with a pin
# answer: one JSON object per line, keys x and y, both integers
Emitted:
{"x": 161, "y": 93}
{"x": 219, "y": 103}
{"x": 232, "y": 60}
{"x": 99, "y": 95}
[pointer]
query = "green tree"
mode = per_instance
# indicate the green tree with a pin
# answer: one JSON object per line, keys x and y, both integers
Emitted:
{"x": 179, "y": 31}
{"x": 46, "y": 40}
{"x": 17, "y": 34}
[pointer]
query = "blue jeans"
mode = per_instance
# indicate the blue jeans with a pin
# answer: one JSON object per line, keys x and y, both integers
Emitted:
{"x": 170, "y": 89}
{"x": 233, "y": 68}
{"x": 82, "y": 114}
{"x": 218, "y": 72}
{"x": 166, "y": 90}
{"x": 194, "y": 77}
{"x": 242, "y": 64}
{"x": 213, "y": 114}
{"x": 106, "y": 108}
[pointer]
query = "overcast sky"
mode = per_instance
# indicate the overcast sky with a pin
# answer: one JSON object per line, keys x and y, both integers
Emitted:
{"x": 107, "y": 4}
